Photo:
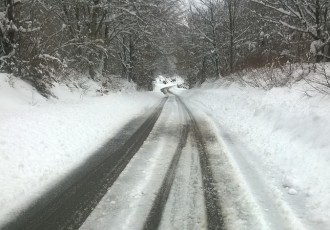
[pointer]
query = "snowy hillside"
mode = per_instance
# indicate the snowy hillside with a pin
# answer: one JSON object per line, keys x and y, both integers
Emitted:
{"x": 42, "y": 140}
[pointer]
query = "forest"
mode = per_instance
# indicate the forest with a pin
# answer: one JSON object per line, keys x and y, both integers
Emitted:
{"x": 47, "y": 41}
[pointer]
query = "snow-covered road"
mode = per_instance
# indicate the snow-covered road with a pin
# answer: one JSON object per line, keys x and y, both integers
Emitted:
{"x": 271, "y": 161}
{"x": 215, "y": 185}
{"x": 154, "y": 176}
{"x": 190, "y": 170}
{"x": 246, "y": 198}
{"x": 43, "y": 141}
{"x": 177, "y": 190}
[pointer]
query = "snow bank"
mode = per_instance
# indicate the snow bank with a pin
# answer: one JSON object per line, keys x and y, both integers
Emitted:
{"x": 287, "y": 135}
{"x": 17, "y": 94}
{"x": 41, "y": 141}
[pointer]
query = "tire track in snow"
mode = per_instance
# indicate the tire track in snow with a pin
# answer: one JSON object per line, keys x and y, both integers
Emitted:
{"x": 213, "y": 210}
{"x": 185, "y": 209}
{"x": 70, "y": 208}
{"x": 155, "y": 214}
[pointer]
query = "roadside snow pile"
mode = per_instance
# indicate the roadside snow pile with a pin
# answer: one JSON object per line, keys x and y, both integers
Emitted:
{"x": 75, "y": 87}
{"x": 23, "y": 95}
{"x": 287, "y": 135}
{"x": 41, "y": 141}
{"x": 313, "y": 78}
{"x": 118, "y": 84}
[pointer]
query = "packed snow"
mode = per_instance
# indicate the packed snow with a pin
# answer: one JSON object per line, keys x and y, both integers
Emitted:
{"x": 129, "y": 200}
{"x": 272, "y": 164}
{"x": 278, "y": 139}
{"x": 43, "y": 140}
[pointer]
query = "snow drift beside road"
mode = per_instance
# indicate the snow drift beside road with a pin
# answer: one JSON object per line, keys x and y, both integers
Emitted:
{"x": 42, "y": 140}
{"x": 287, "y": 137}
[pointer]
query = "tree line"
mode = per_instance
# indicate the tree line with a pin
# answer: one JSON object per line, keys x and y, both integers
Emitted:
{"x": 226, "y": 36}
{"x": 138, "y": 39}
{"x": 41, "y": 39}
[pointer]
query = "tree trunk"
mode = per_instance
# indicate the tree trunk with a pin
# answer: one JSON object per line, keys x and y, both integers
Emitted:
{"x": 10, "y": 41}
{"x": 202, "y": 72}
{"x": 131, "y": 59}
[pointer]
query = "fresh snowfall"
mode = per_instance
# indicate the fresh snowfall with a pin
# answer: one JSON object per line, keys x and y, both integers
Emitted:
{"x": 165, "y": 114}
{"x": 275, "y": 143}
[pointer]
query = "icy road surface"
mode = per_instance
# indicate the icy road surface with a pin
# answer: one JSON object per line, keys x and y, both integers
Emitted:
{"x": 168, "y": 184}
{"x": 178, "y": 170}
{"x": 213, "y": 184}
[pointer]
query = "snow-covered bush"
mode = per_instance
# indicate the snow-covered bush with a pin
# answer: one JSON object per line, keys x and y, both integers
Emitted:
{"x": 319, "y": 77}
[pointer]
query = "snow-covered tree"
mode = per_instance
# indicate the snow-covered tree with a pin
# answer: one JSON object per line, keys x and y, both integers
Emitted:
{"x": 40, "y": 39}
{"x": 8, "y": 32}
{"x": 309, "y": 17}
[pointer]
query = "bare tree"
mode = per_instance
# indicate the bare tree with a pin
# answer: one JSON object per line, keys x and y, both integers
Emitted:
{"x": 309, "y": 17}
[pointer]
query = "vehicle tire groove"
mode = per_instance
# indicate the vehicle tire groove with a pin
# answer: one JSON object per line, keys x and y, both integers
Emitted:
{"x": 155, "y": 214}
{"x": 71, "y": 208}
{"x": 213, "y": 210}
